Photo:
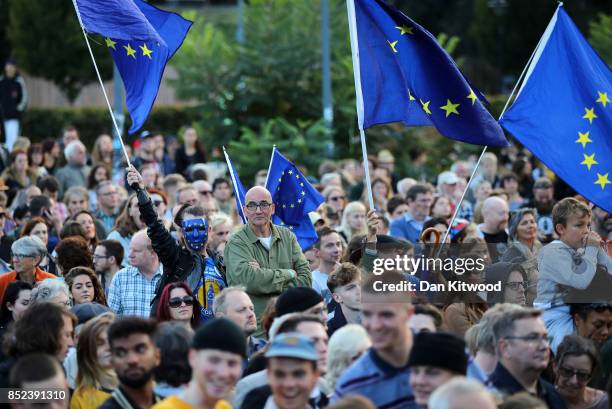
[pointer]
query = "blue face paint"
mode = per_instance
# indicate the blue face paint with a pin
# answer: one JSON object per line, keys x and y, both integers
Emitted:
{"x": 195, "y": 232}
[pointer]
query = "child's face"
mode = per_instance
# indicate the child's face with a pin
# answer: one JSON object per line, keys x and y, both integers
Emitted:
{"x": 576, "y": 230}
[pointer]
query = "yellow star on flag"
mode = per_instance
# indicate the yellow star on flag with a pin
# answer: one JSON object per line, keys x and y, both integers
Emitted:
{"x": 589, "y": 160}
{"x": 110, "y": 43}
{"x": 589, "y": 114}
{"x": 393, "y": 44}
{"x": 145, "y": 51}
{"x": 404, "y": 29}
{"x": 450, "y": 108}
{"x": 410, "y": 96}
{"x": 130, "y": 51}
{"x": 603, "y": 98}
{"x": 584, "y": 139}
{"x": 425, "y": 107}
{"x": 602, "y": 180}
{"x": 472, "y": 96}
{"x": 290, "y": 172}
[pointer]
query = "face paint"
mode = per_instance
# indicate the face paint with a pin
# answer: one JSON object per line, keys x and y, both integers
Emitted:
{"x": 195, "y": 232}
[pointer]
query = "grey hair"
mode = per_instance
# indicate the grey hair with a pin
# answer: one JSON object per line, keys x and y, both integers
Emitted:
{"x": 504, "y": 326}
{"x": 48, "y": 289}
{"x": 485, "y": 338}
{"x": 29, "y": 245}
{"x": 103, "y": 184}
{"x": 443, "y": 397}
{"x": 71, "y": 147}
{"x": 219, "y": 218}
{"x": 221, "y": 298}
{"x": 343, "y": 347}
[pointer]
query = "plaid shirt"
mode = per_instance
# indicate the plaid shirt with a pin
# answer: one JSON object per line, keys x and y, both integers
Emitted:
{"x": 130, "y": 293}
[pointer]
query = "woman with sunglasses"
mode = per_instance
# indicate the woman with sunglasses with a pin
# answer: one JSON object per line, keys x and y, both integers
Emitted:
{"x": 574, "y": 364}
{"x": 191, "y": 261}
{"x": 177, "y": 303}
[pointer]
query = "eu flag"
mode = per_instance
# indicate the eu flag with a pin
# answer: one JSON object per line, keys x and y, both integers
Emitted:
{"x": 294, "y": 197}
{"x": 141, "y": 39}
{"x": 403, "y": 75}
{"x": 239, "y": 190}
{"x": 563, "y": 111}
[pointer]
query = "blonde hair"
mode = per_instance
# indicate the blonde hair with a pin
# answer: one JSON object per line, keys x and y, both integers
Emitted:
{"x": 343, "y": 348}
{"x": 345, "y": 228}
{"x": 218, "y": 219}
{"x": 91, "y": 373}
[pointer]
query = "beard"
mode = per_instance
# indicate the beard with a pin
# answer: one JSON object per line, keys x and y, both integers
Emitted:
{"x": 136, "y": 382}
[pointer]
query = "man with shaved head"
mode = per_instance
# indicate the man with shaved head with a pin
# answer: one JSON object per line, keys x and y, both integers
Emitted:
{"x": 264, "y": 258}
{"x": 495, "y": 214}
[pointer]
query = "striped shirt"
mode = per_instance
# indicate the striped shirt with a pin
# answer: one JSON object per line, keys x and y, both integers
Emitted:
{"x": 130, "y": 292}
{"x": 386, "y": 386}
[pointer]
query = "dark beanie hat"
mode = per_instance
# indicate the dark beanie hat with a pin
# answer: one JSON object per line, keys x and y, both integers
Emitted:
{"x": 297, "y": 299}
{"x": 440, "y": 350}
{"x": 221, "y": 334}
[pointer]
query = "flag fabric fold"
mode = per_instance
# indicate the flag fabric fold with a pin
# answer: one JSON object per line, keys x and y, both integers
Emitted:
{"x": 239, "y": 190}
{"x": 141, "y": 39}
{"x": 294, "y": 197}
{"x": 403, "y": 75}
{"x": 563, "y": 111}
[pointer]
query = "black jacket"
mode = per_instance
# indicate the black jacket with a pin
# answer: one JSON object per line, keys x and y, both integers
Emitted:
{"x": 12, "y": 97}
{"x": 179, "y": 263}
{"x": 256, "y": 399}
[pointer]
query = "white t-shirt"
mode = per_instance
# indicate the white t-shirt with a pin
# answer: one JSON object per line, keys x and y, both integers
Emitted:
{"x": 266, "y": 241}
{"x": 319, "y": 284}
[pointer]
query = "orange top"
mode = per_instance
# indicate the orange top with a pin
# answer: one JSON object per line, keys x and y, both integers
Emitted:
{"x": 6, "y": 279}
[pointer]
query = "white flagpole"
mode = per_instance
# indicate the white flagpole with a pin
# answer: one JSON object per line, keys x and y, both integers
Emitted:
{"x": 233, "y": 177}
{"x": 350, "y": 6}
{"x": 533, "y": 59}
{"x": 270, "y": 165}
{"x": 93, "y": 59}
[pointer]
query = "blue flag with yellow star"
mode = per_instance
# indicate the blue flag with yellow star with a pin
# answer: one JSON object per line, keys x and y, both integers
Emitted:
{"x": 141, "y": 39}
{"x": 294, "y": 197}
{"x": 403, "y": 75}
{"x": 563, "y": 111}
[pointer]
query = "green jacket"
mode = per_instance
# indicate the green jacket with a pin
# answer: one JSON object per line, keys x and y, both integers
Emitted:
{"x": 275, "y": 274}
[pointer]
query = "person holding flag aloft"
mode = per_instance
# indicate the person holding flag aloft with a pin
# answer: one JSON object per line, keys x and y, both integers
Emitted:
{"x": 201, "y": 268}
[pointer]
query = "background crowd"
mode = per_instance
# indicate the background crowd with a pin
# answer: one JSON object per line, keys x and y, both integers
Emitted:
{"x": 152, "y": 293}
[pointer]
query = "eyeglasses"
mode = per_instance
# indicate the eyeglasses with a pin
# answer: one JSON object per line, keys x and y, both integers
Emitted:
{"x": 178, "y": 301}
{"x": 252, "y": 206}
{"x": 206, "y": 192}
{"x": 21, "y": 256}
{"x": 98, "y": 257}
{"x": 531, "y": 339}
{"x": 336, "y": 198}
{"x": 516, "y": 285}
{"x": 569, "y": 373}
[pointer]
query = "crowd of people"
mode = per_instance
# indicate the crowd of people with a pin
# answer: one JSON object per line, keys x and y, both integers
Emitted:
{"x": 152, "y": 293}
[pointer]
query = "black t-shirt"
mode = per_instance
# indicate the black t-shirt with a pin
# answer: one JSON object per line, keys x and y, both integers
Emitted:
{"x": 497, "y": 244}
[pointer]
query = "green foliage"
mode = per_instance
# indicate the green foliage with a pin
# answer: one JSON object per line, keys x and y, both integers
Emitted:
{"x": 38, "y": 124}
{"x": 302, "y": 142}
{"x": 601, "y": 37}
{"x": 47, "y": 41}
{"x": 5, "y": 49}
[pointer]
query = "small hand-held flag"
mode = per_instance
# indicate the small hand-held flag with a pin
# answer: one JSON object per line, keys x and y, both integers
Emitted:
{"x": 239, "y": 190}
{"x": 563, "y": 111}
{"x": 403, "y": 75}
{"x": 294, "y": 197}
{"x": 141, "y": 39}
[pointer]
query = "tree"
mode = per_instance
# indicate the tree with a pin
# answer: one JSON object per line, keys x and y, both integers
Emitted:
{"x": 601, "y": 37}
{"x": 47, "y": 41}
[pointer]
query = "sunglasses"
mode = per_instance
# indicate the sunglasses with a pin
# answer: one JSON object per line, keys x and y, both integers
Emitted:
{"x": 569, "y": 373}
{"x": 176, "y": 302}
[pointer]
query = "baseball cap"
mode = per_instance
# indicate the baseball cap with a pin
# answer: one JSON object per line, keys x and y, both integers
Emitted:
{"x": 85, "y": 312}
{"x": 448, "y": 178}
{"x": 292, "y": 345}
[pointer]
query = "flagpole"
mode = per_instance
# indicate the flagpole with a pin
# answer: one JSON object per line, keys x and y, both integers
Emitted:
{"x": 233, "y": 177}
{"x": 270, "y": 165}
{"x": 520, "y": 79}
{"x": 93, "y": 59}
{"x": 350, "y": 8}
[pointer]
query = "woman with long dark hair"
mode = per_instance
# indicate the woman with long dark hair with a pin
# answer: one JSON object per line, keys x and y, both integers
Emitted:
{"x": 85, "y": 286}
{"x": 88, "y": 221}
{"x": 14, "y": 303}
{"x": 128, "y": 222}
{"x": 190, "y": 261}
{"x": 190, "y": 152}
{"x": 177, "y": 303}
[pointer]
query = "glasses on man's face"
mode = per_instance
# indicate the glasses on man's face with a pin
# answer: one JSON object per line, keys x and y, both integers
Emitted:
{"x": 205, "y": 192}
{"x": 531, "y": 339}
{"x": 176, "y": 302}
{"x": 568, "y": 373}
{"x": 252, "y": 206}
{"x": 337, "y": 198}
{"x": 517, "y": 285}
{"x": 98, "y": 257}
